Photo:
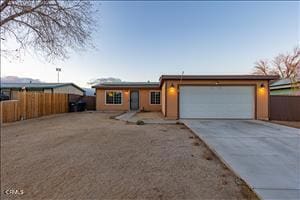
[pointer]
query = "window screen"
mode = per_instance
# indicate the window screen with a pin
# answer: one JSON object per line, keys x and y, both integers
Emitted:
{"x": 113, "y": 97}
{"x": 155, "y": 98}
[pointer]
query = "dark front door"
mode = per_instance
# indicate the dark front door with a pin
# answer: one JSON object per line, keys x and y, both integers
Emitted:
{"x": 134, "y": 100}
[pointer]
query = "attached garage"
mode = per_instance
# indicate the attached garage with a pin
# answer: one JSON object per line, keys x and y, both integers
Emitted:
{"x": 215, "y": 96}
{"x": 217, "y": 102}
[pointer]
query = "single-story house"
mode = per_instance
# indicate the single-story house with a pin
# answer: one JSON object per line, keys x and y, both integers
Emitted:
{"x": 191, "y": 96}
{"x": 285, "y": 87}
{"x": 67, "y": 88}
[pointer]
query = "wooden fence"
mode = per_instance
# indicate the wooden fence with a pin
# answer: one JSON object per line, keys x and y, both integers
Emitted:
{"x": 9, "y": 111}
{"x": 285, "y": 108}
{"x": 27, "y": 105}
{"x": 89, "y": 100}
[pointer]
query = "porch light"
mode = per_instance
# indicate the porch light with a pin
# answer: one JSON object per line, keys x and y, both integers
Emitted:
{"x": 262, "y": 89}
{"x": 172, "y": 86}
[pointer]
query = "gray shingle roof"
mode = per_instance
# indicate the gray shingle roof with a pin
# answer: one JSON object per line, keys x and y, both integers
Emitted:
{"x": 127, "y": 85}
{"x": 36, "y": 85}
{"x": 286, "y": 81}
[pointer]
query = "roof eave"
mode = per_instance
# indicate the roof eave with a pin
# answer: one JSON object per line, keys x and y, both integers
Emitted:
{"x": 65, "y": 84}
{"x": 126, "y": 87}
{"x": 42, "y": 86}
{"x": 217, "y": 77}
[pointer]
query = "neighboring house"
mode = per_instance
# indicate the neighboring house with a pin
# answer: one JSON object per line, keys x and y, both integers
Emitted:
{"x": 89, "y": 91}
{"x": 285, "y": 87}
{"x": 176, "y": 96}
{"x": 67, "y": 88}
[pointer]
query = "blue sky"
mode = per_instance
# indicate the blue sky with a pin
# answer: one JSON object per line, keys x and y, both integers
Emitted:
{"x": 139, "y": 41}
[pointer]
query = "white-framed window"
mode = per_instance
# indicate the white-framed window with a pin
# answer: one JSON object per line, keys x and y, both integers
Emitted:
{"x": 113, "y": 97}
{"x": 154, "y": 97}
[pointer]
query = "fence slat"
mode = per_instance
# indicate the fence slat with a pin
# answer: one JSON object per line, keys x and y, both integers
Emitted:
{"x": 285, "y": 108}
{"x": 9, "y": 111}
{"x": 29, "y": 105}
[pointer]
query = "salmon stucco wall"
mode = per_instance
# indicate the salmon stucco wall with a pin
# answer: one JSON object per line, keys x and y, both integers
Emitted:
{"x": 144, "y": 101}
{"x": 261, "y": 95}
{"x": 163, "y": 99}
{"x": 100, "y": 101}
{"x": 145, "y": 104}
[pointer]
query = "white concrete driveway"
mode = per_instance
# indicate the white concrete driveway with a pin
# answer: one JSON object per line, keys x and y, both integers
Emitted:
{"x": 265, "y": 155}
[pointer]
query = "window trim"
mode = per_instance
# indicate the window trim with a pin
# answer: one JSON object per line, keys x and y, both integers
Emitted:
{"x": 112, "y": 104}
{"x": 150, "y": 97}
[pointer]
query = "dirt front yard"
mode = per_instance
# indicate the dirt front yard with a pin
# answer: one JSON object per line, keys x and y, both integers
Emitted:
{"x": 90, "y": 156}
{"x": 148, "y": 116}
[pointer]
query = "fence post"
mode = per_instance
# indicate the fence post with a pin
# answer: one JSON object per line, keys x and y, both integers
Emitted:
{"x": 67, "y": 102}
{"x": 24, "y": 105}
{"x": 1, "y": 114}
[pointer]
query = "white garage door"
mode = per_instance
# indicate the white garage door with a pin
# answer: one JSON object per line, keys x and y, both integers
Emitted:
{"x": 224, "y": 102}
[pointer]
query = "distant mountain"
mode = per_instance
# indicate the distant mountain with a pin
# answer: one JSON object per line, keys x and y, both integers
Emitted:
{"x": 104, "y": 80}
{"x": 16, "y": 79}
{"x": 89, "y": 91}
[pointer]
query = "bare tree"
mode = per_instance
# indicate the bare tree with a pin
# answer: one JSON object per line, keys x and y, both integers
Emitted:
{"x": 287, "y": 64}
{"x": 50, "y": 27}
{"x": 284, "y": 65}
{"x": 262, "y": 68}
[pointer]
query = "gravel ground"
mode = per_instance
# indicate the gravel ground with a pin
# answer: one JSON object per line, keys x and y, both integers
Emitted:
{"x": 90, "y": 156}
{"x": 148, "y": 115}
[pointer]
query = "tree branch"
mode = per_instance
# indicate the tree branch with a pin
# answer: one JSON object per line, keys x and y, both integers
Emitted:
{"x": 3, "y": 5}
{"x": 50, "y": 27}
{"x": 25, "y": 11}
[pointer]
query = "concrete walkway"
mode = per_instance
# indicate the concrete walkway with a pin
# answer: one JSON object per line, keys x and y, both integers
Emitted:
{"x": 265, "y": 155}
{"x": 130, "y": 117}
{"x": 126, "y": 116}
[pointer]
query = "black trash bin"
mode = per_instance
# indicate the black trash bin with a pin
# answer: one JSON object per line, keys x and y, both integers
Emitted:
{"x": 81, "y": 106}
{"x": 3, "y": 97}
{"x": 72, "y": 107}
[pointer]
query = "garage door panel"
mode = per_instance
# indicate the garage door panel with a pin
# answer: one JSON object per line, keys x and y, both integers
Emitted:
{"x": 232, "y": 111}
{"x": 235, "y": 102}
